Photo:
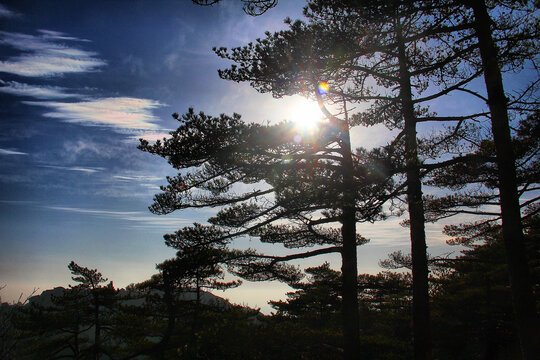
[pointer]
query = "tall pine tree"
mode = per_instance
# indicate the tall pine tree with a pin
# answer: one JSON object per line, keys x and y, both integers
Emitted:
{"x": 391, "y": 56}
{"x": 298, "y": 189}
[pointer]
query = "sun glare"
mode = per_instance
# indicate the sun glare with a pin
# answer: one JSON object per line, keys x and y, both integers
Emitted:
{"x": 306, "y": 115}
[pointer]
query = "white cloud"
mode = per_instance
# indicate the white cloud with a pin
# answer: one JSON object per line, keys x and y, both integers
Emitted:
{"x": 35, "y": 65}
{"x": 92, "y": 211}
{"x": 372, "y": 136}
{"x": 171, "y": 61}
{"x": 7, "y": 13}
{"x": 88, "y": 170}
{"x": 135, "y": 65}
{"x": 119, "y": 112}
{"x": 137, "y": 178}
{"x": 138, "y": 218}
{"x": 74, "y": 149}
{"x": 151, "y": 187}
{"x": 18, "y": 202}
{"x": 11, "y": 152}
{"x": 151, "y": 136}
{"x": 35, "y": 91}
{"x": 42, "y": 56}
{"x": 57, "y": 35}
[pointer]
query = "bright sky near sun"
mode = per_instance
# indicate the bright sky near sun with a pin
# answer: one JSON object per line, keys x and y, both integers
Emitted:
{"x": 80, "y": 82}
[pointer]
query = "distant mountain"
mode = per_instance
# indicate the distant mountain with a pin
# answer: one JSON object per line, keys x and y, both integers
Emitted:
{"x": 45, "y": 298}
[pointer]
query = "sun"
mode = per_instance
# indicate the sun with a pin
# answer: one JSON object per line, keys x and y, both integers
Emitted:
{"x": 306, "y": 115}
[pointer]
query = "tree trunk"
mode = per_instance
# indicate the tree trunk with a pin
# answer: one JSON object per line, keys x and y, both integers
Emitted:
{"x": 491, "y": 333}
{"x": 349, "y": 267}
{"x": 97, "y": 330}
{"x": 420, "y": 311}
{"x": 194, "y": 344}
{"x": 76, "y": 337}
{"x": 170, "y": 303}
{"x": 520, "y": 280}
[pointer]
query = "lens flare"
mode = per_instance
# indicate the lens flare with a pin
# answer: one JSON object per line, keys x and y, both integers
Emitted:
{"x": 323, "y": 88}
{"x": 305, "y": 116}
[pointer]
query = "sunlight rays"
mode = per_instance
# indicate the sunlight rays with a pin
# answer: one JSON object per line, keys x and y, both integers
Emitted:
{"x": 306, "y": 117}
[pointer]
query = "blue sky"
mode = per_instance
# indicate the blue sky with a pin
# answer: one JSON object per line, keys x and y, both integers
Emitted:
{"x": 80, "y": 82}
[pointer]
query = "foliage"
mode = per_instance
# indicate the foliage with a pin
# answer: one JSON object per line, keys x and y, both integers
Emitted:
{"x": 316, "y": 302}
{"x": 473, "y": 185}
{"x": 251, "y": 7}
{"x": 471, "y": 307}
{"x": 398, "y": 57}
{"x": 274, "y": 182}
{"x": 474, "y": 305}
{"x": 306, "y": 190}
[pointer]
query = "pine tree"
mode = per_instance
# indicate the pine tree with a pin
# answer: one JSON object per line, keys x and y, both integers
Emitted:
{"x": 251, "y": 7}
{"x": 474, "y": 304}
{"x": 383, "y": 54}
{"x": 317, "y": 300}
{"x": 192, "y": 271}
{"x": 99, "y": 297}
{"x": 520, "y": 280}
{"x": 300, "y": 186}
{"x": 448, "y": 27}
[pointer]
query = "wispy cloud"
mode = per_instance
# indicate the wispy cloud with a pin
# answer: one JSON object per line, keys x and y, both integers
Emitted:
{"x": 172, "y": 60}
{"x": 86, "y": 148}
{"x": 46, "y": 55}
{"x": 151, "y": 135}
{"x": 137, "y": 178}
{"x": 147, "y": 182}
{"x": 36, "y": 65}
{"x": 35, "y": 91}
{"x": 7, "y": 13}
{"x": 94, "y": 212}
{"x": 88, "y": 170}
{"x": 137, "y": 217}
{"x": 119, "y": 112}
{"x": 42, "y": 56}
{"x": 135, "y": 65}
{"x": 57, "y": 35}
{"x": 11, "y": 152}
{"x": 18, "y": 202}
